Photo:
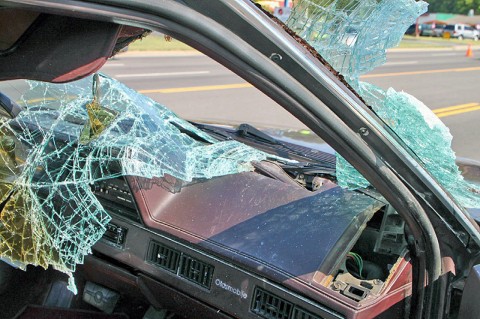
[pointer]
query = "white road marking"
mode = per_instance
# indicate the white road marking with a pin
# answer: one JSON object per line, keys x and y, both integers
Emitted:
{"x": 141, "y": 75}
{"x": 401, "y": 63}
{"x": 114, "y": 64}
{"x": 445, "y": 54}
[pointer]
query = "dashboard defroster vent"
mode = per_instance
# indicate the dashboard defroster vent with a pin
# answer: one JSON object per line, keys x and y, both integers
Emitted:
{"x": 196, "y": 271}
{"x": 163, "y": 257}
{"x": 270, "y": 306}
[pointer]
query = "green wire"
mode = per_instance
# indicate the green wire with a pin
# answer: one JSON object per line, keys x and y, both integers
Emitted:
{"x": 359, "y": 262}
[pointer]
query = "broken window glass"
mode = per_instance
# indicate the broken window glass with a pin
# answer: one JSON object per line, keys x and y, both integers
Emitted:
{"x": 70, "y": 135}
{"x": 353, "y": 35}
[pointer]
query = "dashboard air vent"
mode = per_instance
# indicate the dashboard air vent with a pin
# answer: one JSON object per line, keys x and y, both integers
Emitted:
{"x": 196, "y": 271}
{"x": 299, "y": 313}
{"x": 270, "y": 306}
{"x": 164, "y": 257}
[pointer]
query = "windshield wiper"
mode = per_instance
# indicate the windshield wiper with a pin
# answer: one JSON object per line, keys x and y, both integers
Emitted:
{"x": 190, "y": 133}
{"x": 246, "y": 130}
{"x": 218, "y": 134}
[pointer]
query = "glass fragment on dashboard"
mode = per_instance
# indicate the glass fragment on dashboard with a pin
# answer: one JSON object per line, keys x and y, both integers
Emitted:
{"x": 65, "y": 139}
{"x": 353, "y": 36}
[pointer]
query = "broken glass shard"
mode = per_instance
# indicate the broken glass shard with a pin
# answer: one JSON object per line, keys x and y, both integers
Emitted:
{"x": 62, "y": 142}
{"x": 352, "y": 36}
{"x": 422, "y": 131}
{"x": 348, "y": 176}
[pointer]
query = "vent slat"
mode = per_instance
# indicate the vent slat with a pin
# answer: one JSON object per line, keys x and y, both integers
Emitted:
{"x": 270, "y": 306}
{"x": 299, "y": 313}
{"x": 163, "y": 256}
{"x": 196, "y": 271}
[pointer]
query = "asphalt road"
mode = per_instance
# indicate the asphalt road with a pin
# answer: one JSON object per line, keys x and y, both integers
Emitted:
{"x": 198, "y": 88}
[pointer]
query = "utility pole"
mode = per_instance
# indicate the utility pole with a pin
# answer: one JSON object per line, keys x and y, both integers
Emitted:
{"x": 417, "y": 28}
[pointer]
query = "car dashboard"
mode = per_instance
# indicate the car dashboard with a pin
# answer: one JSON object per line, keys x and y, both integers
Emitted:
{"x": 243, "y": 246}
{"x": 255, "y": 244}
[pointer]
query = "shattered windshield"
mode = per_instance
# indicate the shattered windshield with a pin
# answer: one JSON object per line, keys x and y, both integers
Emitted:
{"x": 353, "y": 35}
{"x": 71, "y": 135}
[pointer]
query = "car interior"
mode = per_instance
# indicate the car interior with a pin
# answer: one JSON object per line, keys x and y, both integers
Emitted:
{"x": 280, "y": 241}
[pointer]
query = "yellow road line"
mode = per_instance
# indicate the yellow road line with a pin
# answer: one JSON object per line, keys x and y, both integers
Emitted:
{"x": 454, "y": 110}
{"x": 38, "y": 100}
{"x": 380, "y": 75}
{"x": 44, "y": 99}
{"x": 441, "y": 112}
{"x": 199, "y": 88}
{"x": 247, "y": 85}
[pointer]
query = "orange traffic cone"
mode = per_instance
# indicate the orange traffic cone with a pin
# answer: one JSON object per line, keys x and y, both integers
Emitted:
{"x": 469, "y": 51}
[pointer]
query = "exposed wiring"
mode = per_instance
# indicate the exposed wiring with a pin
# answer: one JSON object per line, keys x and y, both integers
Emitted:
{"x": 358, "y": 260}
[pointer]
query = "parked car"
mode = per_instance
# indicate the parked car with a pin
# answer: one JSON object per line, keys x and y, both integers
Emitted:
{"x": 438, "y": 29}
{"x": 460, "y": 32}
{"x": 424, "y": 29}
{"x": 413, "y": 29}
{"x": 187, "y": 220}
{"x": 427, "y": 30}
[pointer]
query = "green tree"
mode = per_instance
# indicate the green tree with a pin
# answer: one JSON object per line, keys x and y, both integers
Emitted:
{"x": 454, "y": 6}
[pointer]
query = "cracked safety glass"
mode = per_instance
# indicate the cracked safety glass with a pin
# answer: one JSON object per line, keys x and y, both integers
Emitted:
{"x": 352, "y": 36}
{"x": 69, "y": 136}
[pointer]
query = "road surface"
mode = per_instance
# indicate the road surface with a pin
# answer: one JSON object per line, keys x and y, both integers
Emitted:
{"x": 198, "y": 88}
